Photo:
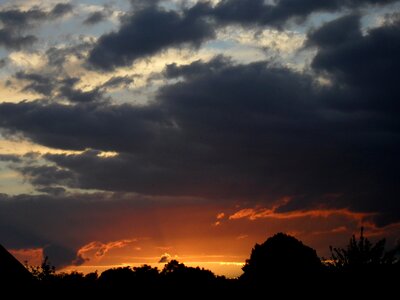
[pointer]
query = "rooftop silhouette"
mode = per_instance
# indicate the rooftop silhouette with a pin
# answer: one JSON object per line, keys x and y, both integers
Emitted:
{"x": 11, "y": 270}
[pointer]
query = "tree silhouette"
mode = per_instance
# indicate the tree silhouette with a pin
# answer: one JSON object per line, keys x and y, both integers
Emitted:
{"x": 281, "y": 266}
{"x": 44, "y": 272}
{"x": 179, "y": 272}
{"x": 280, "y": 255}
{"x": 361, "y": 253}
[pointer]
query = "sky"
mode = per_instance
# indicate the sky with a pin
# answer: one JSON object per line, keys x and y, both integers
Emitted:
{"x": 137, "y": 131}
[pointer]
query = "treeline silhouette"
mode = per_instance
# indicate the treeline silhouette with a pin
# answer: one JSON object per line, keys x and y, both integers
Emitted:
{"x": 282, "y": 265}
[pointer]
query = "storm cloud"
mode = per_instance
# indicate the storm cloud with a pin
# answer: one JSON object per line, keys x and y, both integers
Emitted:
{"x": 228, "y": 130}
{"x": 276, "y": 14}
{"x": 139, "y": 36}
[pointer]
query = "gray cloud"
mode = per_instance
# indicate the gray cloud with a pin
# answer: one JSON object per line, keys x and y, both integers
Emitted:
{"x": 260, "y": 12}
{"x": 57, "y": 56}
{"x": 17, "y": 22}
{"x": 10, "y": 40}
{"x": 118, "y": 81}
{"x": 60, "y": 10}
{"x": 99, "y": 16}
{"x": 39, "y": 83}
{"x": 22, "y": 19}
{"x": 68, "y": 90}
{"x": 140, "y": 36}
{"x": 82, "y": 123}
{"x": 47, "y": 175}
{"x": 55, "y": 87}
{"x": 365, "y": 64}
{"x": 95, "y": 17}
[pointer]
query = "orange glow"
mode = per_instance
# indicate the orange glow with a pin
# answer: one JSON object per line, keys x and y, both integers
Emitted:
{"x": 32, "y": 257}
{"x": 262, "y": 213}
{"x": 187, "y": 232}
{"x": 99, "y": 249}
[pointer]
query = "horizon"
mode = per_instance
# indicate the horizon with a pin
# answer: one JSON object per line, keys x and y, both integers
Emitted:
{"x": 141, "y": 131}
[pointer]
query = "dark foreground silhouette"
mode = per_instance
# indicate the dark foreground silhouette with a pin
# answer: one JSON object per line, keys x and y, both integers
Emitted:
{"x": 281, "y": 266}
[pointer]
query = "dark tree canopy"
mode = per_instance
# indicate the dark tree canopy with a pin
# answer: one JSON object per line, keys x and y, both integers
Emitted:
{"x": 281, "y": 255}
{"x": 281, "y": 266}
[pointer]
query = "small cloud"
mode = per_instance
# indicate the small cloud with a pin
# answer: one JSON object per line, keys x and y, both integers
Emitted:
{"x": 164, "y": 248}
{"x": 98, "y": 249}
{"x": 3, "y": 62}
{"x": 339, "y": 229}
{"x": 242, "y": 236}
{"x": 243, "y": 213}
{"x": 164, "y": 258}
{"x": 220, "y": 216}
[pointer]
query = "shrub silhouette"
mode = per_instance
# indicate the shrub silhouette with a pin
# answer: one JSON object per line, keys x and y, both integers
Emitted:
{"x": 280, "y": 255}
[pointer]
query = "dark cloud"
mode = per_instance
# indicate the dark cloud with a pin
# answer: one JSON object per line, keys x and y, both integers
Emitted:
{"x": 62, "y": 256}
{"x": 258, "y": 131}
{"x": 10, "y": 40}
{"x": 86, "y": 126}
{"x": 140, "y": 4}
{"x": 22, "y": 19}
{"x": 16, "y": 23}
{"x": 55, "y": 191}
{"x": 68, "y": 90}
{"x": 392, "y": 18}
{"x": 118, "y": 81}
{"x": 57, "y": 56}
{"x": 52, "y": 86}
{"x": 42, "y": 84}
{"x": 43, "y": 176}
{"x": 59, "y": 88}
{"x": 95, "y": 18}
{"x": 37, "y": 221}
{"x": 197, "y": 68}
{"x": 276, "y": 14}
{"x": 62, "y": 224}
{"x": 99, "y": 16}
{"x": 165, "y": 258}
{"x": 363, "y": 66}
{"x": 336, "y": 32}
{"x": 140, "y": 36}
{"x": 60, "y": 10}
{"x": 10, "y": 158}
{"x": 3, "y": 62}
